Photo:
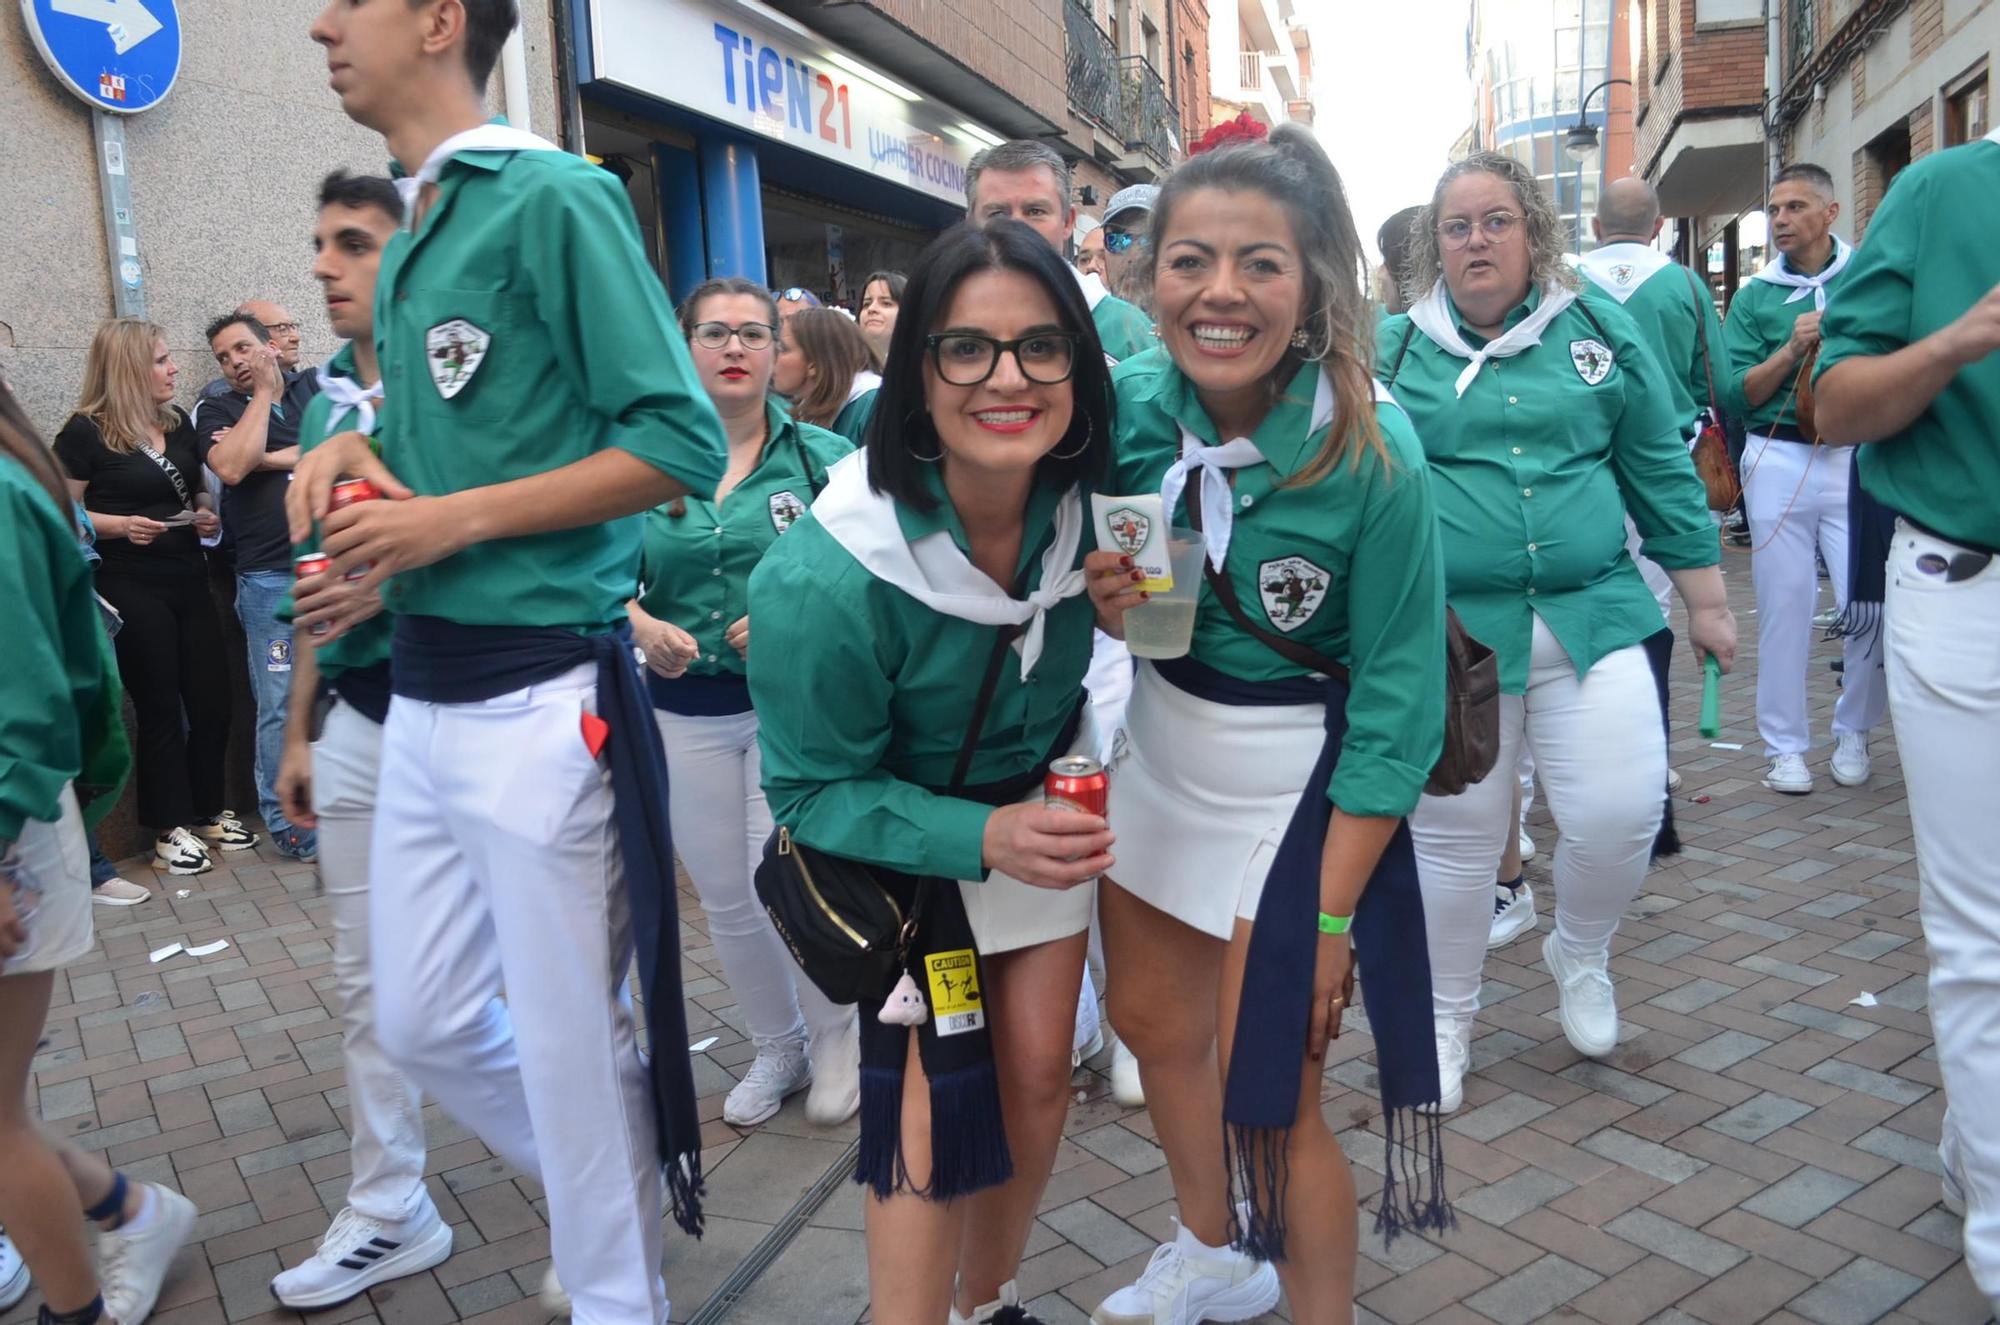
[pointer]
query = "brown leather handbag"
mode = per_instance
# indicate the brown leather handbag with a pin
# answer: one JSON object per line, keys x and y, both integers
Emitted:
{"x": 1711, "y": 446}
{"x": 1471, "y": 678}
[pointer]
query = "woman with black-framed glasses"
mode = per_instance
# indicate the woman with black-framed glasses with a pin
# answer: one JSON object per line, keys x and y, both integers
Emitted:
{"x": 692, "y": 621}
{"x": 943, "y": 564}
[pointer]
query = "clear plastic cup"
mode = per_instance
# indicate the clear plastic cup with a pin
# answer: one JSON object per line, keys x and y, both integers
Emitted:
{"x": 1163, "y": 625}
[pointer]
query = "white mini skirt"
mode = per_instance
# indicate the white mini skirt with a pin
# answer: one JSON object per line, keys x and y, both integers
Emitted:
{"x": 1007, "y": 914}
{"x": 1202, "y": 796}
{"x": 57, "y": 856}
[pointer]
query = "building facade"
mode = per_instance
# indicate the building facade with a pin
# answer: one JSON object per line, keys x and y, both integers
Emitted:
{"x": 1260, "y": 61}
{"x": 1131, "y": 71}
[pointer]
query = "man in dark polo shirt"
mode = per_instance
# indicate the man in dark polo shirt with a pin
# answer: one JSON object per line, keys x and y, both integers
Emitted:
{"x": 249, "y": 435}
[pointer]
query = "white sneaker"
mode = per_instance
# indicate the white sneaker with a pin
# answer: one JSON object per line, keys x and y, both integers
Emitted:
{"x": 1851, "y": 764}
{"x": 180, "y": 852}
{"x": 1187, "y": 1282}
{"x": 1005, "y": 1309}
{"x": 1513, "y": 913}
{"x": 1788, "y": 774}
{"x": 358, "y": 1252}
{"x": 1589, "y": 1010}
{"x": 1454, "y": 1051}
{"x": 554, "y": 1297}
{"x": 14, "y": 1277}
{"x": 226, "y": 831}
{"x": 1528, "y": 848}
{"x": 834, "y": 1057}
{"x": 115, "y": 891}
{"x": 132, "y": 1262}
{"x": 1125, "y": 1085}
{"x": 779, "y": 1070}
{"x": 1673, "y": 779}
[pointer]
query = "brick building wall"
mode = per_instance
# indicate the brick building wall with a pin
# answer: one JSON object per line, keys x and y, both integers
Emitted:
{"x": 1191, "y": 31}
{"x": 1017, "y": 45}
{"x": 1686, "y": 70}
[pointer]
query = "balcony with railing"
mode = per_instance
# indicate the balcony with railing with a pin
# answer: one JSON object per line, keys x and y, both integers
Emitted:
{"x": 1149, "y": 114}
{"x": 1093, "y": 74}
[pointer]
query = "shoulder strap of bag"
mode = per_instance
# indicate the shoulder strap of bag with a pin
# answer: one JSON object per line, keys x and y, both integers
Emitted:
{"x": 1596, "y": 326}
{"x": 1225, "y": 593}
{"x": 1409, "y": 330}
{"x": 991, "y": 682}
{"x": 805, "y": 462}
{"x": 1701, "y": 339}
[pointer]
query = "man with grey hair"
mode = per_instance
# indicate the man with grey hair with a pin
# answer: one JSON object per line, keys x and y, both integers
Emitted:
{"x": 1029, "y": 182}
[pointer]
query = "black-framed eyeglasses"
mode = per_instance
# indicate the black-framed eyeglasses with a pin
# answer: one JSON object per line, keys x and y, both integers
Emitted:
{"x": 1496, "y": 226}
{"x": 715, "y": 335}
{"x": 966, "y": 358}
{"x": 1117, "y": 241}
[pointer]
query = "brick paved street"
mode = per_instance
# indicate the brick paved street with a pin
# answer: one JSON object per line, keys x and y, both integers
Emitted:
{"x": 1758, "y": 1148}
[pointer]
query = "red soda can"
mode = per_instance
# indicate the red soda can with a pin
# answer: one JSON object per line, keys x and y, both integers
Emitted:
{"x": 346, "y": 493}
{"x": 313, "y": 563}
{"x": 1077, "y": 782}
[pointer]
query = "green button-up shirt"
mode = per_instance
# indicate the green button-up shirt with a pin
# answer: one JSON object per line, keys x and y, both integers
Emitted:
{"x": 367, "y": 644}
{"x": 697, "y": 564}
{"x": 1536, "y": 467}
{"x": 863, "y": 695}
{"x": 1928, "y": 258}
{"x": 852, "y": 421}
{"x": 1760, "y": 320}
{"x": 519, "y": 330}
{"x": 1676, "y": 316}
{"x": 1124, "y": 328}
{"x": 1348, "y": 565}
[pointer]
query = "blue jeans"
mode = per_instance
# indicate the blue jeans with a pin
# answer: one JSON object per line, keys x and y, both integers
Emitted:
{"x": 102, "y": 871}
{"x": 258, "y": 597}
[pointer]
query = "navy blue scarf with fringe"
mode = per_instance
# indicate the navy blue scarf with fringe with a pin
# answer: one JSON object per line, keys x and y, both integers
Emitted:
{"x": 1274, "y": 1014}
{"x": 443, "y": 662}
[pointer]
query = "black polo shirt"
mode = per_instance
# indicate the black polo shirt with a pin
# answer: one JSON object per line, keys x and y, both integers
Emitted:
{"x": 253, "y": 512}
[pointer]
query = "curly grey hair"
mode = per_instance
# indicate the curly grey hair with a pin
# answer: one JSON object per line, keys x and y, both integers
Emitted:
{"x": 1545, "y": 237}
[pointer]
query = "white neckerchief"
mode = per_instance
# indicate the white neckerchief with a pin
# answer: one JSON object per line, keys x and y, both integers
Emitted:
{"x": 1092, "y": 286}
{"x": 484, "y": 138}
{"x": 1778, "y": 272}
{"x": 934, "y": 571}
{"x": 348, "y": 395}
{"x": 1432, "y": 316}
{"x": 1620, "y": 269}
{"x": 1994, "y": 137}
{"x": 864, "y": 382}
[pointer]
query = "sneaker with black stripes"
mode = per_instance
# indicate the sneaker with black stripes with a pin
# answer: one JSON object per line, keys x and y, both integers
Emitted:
{"x": 358, "y": 1253}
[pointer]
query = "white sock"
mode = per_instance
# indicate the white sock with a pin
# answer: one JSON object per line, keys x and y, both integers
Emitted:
{"x": 149, "y": 1210}
{"x": 1194, "y": 1246}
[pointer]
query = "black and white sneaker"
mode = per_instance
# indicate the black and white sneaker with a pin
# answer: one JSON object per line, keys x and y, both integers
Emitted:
{"x": 180, "y": 852}
{"x": 1513, "y": 912}
{"x": 226, "y": 832}
{"x": 358, "y": 1253}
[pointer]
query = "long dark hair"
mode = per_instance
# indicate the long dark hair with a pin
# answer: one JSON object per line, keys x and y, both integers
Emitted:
{"x": 832, "y": 344}
{"x": 1293, "y": 170}
{"x": 900, "y": 430}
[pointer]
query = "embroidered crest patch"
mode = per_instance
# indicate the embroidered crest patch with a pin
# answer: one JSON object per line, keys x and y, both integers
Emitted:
{"x": 1129, "y": 530}
{"x": 1622, "y": 273}
{"x": 786, "y": 508}
{"x": 278, "y": 654}
{"x": 1292, "y": 589}
{"x": 454, "y": 350}
{"x": 1592, "y": 359}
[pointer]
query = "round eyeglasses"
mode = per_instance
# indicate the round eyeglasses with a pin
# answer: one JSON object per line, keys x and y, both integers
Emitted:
{"x": 715, "y": 335}
{"x": 1496, "y": 226}
{"x": 965, "y": 358}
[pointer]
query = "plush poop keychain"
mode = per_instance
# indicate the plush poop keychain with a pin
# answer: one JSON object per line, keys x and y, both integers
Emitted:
{"x": 905, "y": 1006}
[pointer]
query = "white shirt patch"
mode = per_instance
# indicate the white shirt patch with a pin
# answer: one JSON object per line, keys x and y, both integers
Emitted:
{"x": 454, "y": 351}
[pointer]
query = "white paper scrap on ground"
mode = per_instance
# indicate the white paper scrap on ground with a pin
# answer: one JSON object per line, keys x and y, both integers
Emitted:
{"x": 1725, "y": 745}
{"x": 700, "y": 1045}
{"x": 161, "y": 954}
{"x": 1863, "y": 999}
{"x": 183, "y": 893}
{"x": 207, "y": 949}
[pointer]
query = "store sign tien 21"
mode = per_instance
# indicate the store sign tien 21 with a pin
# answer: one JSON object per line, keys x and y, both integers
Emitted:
{"x": 737, "y": 71}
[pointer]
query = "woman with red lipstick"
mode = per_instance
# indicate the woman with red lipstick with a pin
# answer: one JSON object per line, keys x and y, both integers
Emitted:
{"x": 923, "y": 635}
{"x": 1259, "y": 805}
{"x": 691, "y": 619}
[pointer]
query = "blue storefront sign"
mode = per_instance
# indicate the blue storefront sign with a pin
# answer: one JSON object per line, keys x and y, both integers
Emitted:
{"x": 120, "y": 56}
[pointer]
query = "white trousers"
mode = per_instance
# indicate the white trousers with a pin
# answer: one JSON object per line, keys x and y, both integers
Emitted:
{"x": 1796, "y": 499}
{"x": 1943, "y": 642}
{"x": 1601, "y": 758}
{"x": 386, "y": 1124}
{"x": 500, "y": 872}
{"x": 715, "y": 798}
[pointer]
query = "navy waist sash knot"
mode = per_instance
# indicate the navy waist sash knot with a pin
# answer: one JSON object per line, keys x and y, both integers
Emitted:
{"x": 443, "y": 662}
{"x": 365, "y": 689}
{"x": 1260, "y": 1098}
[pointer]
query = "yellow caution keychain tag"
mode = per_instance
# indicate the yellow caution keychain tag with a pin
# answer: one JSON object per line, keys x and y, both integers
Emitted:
{"x": 1133, "y": 526}
{"x": 954, "y": 982}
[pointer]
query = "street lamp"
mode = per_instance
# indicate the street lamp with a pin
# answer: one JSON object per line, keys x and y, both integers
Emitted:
{"x": 1581, "y": 140}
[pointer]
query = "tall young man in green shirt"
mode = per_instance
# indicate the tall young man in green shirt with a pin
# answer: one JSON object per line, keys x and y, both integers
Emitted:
{"x": 1794, "y": 491}
{"x": 538, "y": 397}
{"x": 1910, "y": 366}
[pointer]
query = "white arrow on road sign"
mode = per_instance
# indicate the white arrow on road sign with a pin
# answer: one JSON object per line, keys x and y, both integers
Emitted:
{"x": 128, "y": 22}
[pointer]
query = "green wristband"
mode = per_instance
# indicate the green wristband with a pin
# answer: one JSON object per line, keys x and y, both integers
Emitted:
{"x": 1334, "y": 924}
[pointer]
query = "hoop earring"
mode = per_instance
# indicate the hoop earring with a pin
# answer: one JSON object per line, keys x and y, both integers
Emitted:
{"x": 909, "y": 426}
{"x": 1089, "y": 430}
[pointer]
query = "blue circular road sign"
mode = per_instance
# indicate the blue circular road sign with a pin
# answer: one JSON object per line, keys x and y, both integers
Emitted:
{"x": 119, "y": 55}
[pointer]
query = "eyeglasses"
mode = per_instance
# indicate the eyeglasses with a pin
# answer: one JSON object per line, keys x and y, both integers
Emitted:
{"x": 965, "y": 358}
{"x": 1496, "y": 226}
{"x": 1117, "y": 241}
{"x": 286, "y": 328}
{"x": 715, "y": 335}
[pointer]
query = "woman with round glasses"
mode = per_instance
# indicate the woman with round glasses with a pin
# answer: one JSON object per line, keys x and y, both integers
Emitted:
{"x": 940, "y": 568}
{"x": 1546, "y": 420}
{"x": 692, "y": 620}
{"x": 824, "y": 369}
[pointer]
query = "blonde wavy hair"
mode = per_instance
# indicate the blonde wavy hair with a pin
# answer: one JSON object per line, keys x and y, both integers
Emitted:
{"x": 1544, "y": 227}
{"x": 118, "y": 383}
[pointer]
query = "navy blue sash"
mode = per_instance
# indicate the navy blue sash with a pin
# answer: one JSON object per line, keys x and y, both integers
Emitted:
{"x": 366, "y": 690}
{"x": 1260, "y": 1098}
{"x": 443, "y": 662}
{"x": 700, "y": 696}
